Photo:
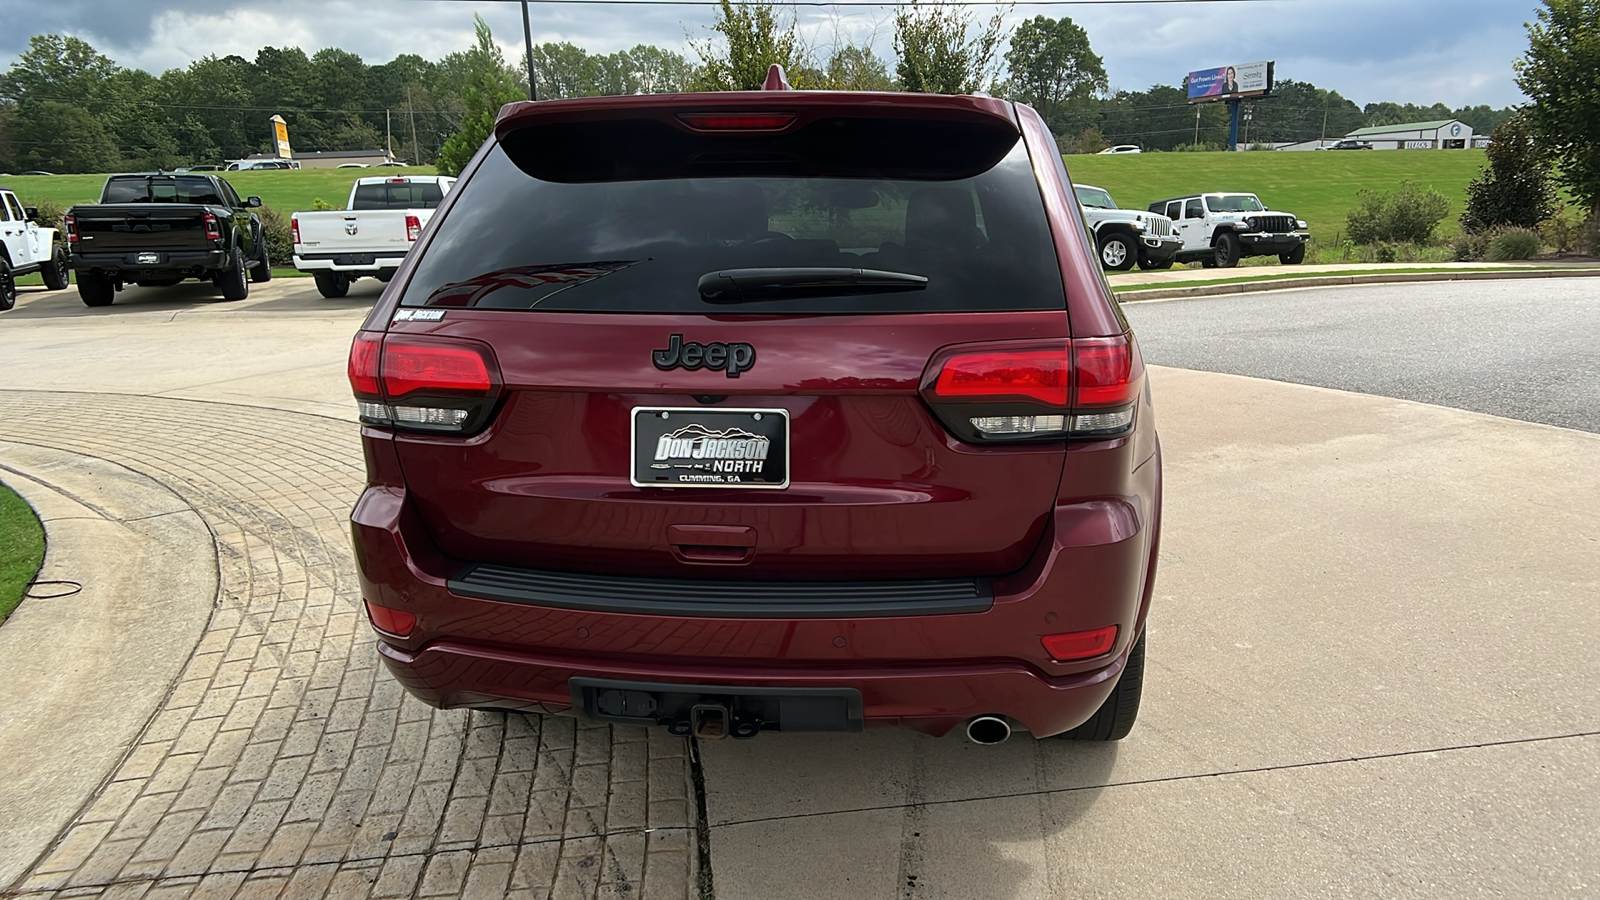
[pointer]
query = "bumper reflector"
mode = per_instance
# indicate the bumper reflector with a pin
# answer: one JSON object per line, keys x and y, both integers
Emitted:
{"x": 397, "y": 622}
{"x": 1076, "y": 645}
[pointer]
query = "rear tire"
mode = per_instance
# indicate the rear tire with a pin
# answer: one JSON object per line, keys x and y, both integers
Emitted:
{"x": 332, "y": 285}
{"x": 1115, "y": 717}
{"x": 1225, "y": 250}
{"x": 262, "y": 273}
{"x": 96, "y": 289}
{"x": 8, "y": 285}
{"x": 232, "y": 281}
{"x": 1118, "y": 253}
{"x": 56, "y": 275}
{"x": 1294, "y": 257}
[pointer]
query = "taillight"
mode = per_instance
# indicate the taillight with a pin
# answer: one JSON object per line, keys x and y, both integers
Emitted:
{"x": 1078, "y": 388}
{"x": 294, "y": 228}
{"x": 413, "y": 227}
{"x": 72, "y": 229}
{"x": 423, "y": 383}
{"x": 737, "y": 121}
{"x": 213, "y": 230}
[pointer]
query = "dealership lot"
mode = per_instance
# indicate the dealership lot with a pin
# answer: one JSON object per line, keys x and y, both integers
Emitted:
{"x": 1372, "y": 662}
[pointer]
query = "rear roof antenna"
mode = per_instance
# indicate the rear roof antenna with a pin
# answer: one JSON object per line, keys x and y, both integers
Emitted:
{"x": 776, "y": 80}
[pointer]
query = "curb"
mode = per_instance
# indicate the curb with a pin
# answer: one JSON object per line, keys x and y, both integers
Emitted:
{"x": 1278, "y": 284}
{"x": 81, "y": 676}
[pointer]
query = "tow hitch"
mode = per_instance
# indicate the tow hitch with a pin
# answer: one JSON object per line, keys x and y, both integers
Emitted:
{"x": 714, "y": 712}
{"x": 709, "y": 721}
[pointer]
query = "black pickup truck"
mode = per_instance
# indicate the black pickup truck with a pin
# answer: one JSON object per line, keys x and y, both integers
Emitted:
{"x": 155, "y": 230}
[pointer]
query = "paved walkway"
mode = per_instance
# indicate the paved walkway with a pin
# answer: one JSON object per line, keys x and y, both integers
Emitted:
{"x": 1183, "y": 275}
{"x": 285, "y": 762}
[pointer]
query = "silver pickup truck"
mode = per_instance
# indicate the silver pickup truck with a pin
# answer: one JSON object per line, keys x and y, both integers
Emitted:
{"x": 371, "y": 235}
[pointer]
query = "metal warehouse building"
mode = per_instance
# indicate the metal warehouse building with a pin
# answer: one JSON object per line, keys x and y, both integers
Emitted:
{"x": 1446, "y": 134}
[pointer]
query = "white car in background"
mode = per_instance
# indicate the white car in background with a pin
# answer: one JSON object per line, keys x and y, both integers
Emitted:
{"x": 371, "y": 235}
{"x": 1122, "y": 148}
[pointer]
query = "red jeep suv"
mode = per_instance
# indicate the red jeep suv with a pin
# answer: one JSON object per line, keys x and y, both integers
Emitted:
{"x": 761, "y": 411}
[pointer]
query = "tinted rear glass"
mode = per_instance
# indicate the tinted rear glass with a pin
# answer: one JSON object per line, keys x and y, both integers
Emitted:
{"x": 516, "y": 241}
{"x": 158, "y": 189}
{"x": 415, "y": 195}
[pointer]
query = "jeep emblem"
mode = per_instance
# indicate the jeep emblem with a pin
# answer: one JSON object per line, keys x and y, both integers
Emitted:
{"x": 734, "y": 358}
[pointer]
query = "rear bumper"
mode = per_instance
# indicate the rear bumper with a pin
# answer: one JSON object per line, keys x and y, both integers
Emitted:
{"x": 167, "y": 263}
{"x": 928, "y": 671}
{"x": 329, "y": 263}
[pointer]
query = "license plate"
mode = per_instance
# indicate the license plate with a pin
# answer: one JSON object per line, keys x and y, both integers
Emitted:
{"x": 710, "y": 448}
{"x": 149, "y": 259}
{"x": 354, "y": 259}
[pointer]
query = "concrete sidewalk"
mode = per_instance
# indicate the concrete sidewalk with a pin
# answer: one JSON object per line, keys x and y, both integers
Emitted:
{"x": 1183, "y": 275}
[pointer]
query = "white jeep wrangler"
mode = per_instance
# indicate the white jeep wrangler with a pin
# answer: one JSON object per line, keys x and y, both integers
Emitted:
{"x": 1219, "y": 229}
{"x": 26, "y": 248}
{"x": 1126, "y": 236}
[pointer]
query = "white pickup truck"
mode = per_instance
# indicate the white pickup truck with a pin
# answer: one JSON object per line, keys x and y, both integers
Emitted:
{"x": 371, "y": 235}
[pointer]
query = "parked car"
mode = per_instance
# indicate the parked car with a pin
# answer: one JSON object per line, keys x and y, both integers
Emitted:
{"x": 351, "y": 166}
{"x": 371, "y": 235}
{"x": 38, "y": 172}
{"x": 262, "y": 164}
{"x": 1123, "y": 148}
{"x": 393, "y": 165}
{"x": 205, "y": 168}
{"x": 1348, "y": 145}
{"x": 1219, "y": 229}
{"x": 761, "y": 411}
{"x": 27, "y": 247}
{"x": 157, "y": 229}
{"x": 1126, "y": 236}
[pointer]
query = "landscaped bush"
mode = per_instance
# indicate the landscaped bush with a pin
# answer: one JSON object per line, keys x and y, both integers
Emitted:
{"x": 1469, "y": 246}
{"x": 50, "y": 212}
{"x": 1408, "y": 214}
{"x": 280, "y": 241}
{"x": 1564, "y": 230}
{"x": 1512, "y": 243}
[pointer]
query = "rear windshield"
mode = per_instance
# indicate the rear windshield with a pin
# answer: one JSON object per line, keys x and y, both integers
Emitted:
{"x": 412, "y": 195}
{"x": 161, "y": 189}
{"x": 516, "y": 241}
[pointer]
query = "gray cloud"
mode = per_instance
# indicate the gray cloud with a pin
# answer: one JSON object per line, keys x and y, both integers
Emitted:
{"x": 1422, "y": 51}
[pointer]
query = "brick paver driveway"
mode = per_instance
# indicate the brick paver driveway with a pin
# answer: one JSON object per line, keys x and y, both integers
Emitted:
{"x": 285, "y": 762}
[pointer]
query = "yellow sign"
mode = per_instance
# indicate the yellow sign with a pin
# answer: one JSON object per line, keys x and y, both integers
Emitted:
{"x": 280, "y": 132}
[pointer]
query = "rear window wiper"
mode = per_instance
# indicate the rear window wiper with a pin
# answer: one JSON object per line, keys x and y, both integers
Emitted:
{"x": 790, "y": 282}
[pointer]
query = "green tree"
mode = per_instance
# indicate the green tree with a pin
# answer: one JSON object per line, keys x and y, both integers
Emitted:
{"x": 565, "y": 70}
{"x": 944, "y": 49}
{"x": 1515, "y": 187}
{"x": 490, "y": 84}
{"x": 750, "y": 39}
{"x": 852, "y": 68}
{"x": 63, "y": 138}
{"x": 1053, "y": 69}
{"x": 1560, "y": 73}
{"x": 658, "y": 71}
{"x": 56, "y": 67}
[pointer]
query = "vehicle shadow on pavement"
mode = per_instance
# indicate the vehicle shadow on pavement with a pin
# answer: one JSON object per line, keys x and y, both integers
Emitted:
{"x": 283, "y": 295}
{"x": 898, "y": 813}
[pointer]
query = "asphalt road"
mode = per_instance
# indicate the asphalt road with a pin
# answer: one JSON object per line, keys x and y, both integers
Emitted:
{"x": 1525, "y": 350}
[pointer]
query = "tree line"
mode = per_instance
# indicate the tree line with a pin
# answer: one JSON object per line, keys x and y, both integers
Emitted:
{"x": 66, "y": 107}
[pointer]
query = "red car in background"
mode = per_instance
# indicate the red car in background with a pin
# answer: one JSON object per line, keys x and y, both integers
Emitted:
{"x": 761, "y": 411}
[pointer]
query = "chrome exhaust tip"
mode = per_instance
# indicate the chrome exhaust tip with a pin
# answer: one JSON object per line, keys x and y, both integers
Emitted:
{"x": 988, "y": 730}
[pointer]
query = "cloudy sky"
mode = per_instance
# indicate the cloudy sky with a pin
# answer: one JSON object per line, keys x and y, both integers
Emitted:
{"x": 1458, "y": 52}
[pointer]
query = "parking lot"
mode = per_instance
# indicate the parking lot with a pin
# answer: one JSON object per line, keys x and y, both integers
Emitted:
{"x": 1372, "y": 661}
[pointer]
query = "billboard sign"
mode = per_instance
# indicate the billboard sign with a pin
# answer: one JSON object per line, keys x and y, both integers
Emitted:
{"x": 280, "y": 136}
{"x": 1231, "y": 82}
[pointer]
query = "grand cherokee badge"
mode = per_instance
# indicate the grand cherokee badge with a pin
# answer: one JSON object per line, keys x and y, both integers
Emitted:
{"x": 734, "y": 358}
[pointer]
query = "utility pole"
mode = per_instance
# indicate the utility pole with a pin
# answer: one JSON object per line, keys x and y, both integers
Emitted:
{"x": 1197, "y": 125}
{"x": 388, "y": 135}
{"x": 527, "y": 37}
{"x": 1324, "y": 126}
{"x": 411, "y": 111}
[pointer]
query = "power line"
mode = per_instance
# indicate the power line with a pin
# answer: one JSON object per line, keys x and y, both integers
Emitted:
{"x": 887, "y": 3}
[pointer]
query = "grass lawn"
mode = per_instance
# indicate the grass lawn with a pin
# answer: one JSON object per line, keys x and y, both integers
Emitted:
{"x": 285, "y": 190}
{"x": 21, "y": 549}
{"x": 1281, "y": 276}
{"x": 1318, "y": 187}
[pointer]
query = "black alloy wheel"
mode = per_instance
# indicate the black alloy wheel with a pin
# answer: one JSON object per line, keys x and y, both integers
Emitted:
{"x": 1226, "y": 250}
{"x": 57, "y": 276}
{"x": 232, "y": 281}
{"x": 8, "y": 286}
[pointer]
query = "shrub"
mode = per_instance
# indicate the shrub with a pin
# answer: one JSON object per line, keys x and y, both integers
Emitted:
{"x": 1515, "y": 188}
{"x": 280, "y": 241}
{"x": 1408, "y": 214}
{"x": 50, "y": 212}
{"x": 1469, "y": 246}
{"x": 1512, "y": 243}
{"x": 1564, "y": 230}
{"x": 321, "y": 205}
